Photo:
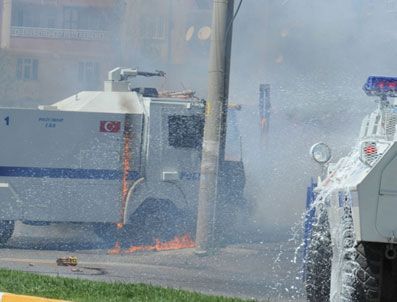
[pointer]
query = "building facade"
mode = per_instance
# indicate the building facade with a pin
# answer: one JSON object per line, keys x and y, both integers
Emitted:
{"x": 53, "y": 48}
{"x": 172, "y": 35}
{"x": 50, "y": 49}
{"x": 166, "y": 31}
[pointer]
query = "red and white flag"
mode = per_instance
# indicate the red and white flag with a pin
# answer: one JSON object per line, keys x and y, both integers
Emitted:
{"x": 110, "y": 126}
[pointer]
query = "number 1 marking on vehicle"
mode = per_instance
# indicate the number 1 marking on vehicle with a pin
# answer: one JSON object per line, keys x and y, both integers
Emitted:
{"x": 7, "y": 119}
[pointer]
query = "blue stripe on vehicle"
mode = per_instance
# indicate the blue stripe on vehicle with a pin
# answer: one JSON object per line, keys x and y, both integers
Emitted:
{"x": 309, "y": 221}
{"x": 341, "y": 197}
{"x": 66, "y": 173}
{"x": 345, "y": 199}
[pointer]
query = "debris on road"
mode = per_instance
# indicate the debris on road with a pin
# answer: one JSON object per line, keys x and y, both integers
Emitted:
{"x": 67, "y": 261}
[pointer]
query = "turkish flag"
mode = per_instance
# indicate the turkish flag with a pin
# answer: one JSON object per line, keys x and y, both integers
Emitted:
{"x": 110, "y": 126}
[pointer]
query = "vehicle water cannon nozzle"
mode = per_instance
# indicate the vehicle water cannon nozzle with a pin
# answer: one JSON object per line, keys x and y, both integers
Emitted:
{"x": 161, "y": 73}
{"x": 125, "y": 74}
{"x": 158, "y": 73}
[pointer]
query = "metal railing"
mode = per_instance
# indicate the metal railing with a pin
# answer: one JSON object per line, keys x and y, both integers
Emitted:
{"x": 56, "y": 33}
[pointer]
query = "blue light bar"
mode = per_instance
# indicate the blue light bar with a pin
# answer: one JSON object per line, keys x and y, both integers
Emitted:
{"x": 381, "y": 86}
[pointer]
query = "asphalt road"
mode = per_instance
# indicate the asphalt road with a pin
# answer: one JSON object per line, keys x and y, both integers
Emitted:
{"x": 264, "y": 270}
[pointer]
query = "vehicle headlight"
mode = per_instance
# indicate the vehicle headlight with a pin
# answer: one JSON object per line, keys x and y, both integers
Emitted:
{"x": 321, "y": 153}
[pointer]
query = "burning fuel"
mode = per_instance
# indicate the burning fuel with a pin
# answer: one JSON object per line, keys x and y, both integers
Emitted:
{"x": 126, "y": 169}
{"x": 179, "y": 242}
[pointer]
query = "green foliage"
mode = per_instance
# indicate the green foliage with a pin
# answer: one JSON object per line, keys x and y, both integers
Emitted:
{"x": 87, "y": 291}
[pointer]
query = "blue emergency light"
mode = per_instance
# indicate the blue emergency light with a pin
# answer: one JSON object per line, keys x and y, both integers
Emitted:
{"x": 381, "y": 86}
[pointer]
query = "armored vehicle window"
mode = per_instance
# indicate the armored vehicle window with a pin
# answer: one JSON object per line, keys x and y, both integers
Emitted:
{"x": 185, "y": 131}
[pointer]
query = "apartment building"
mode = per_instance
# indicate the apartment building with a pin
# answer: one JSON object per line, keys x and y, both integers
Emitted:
{"x": 50, "y": 49}
{"x": 53, "y": 48}
{"x": 166, "y": 32}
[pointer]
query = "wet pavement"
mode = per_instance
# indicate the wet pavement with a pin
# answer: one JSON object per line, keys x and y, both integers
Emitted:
{"x": 264, "y": 270}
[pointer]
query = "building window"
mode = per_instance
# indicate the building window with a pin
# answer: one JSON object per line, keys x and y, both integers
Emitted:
{"x": 49, "y": 18}
{"x": 153, "y": 28}
{"x": 89, "y": 74}
{"x": 27, "y": 69}
{"x": 94, "y": 19}
{"x": 185, "y": 131}
{"x": 17, "y": 18}
{"x": 71, "y": 16}
{"x": 33, "y": 15}
{"x": 84, "y": 18}
{"x": 26, "y": 16}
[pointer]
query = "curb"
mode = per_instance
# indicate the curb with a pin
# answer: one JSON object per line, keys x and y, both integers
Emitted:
{"x": 6, "y": 297}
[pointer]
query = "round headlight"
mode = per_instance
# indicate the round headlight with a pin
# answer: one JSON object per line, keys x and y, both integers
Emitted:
{"x": 321, "y": 153}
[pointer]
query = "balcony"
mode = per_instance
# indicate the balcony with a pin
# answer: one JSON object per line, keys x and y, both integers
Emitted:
{"x": 62, "y": 34}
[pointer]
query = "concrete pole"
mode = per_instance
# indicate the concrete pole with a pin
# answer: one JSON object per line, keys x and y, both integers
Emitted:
{"x": 6, "y": 24}
{"x": 215, "y": 122}
{"x": 170, "y": 32}
{"x": 228, "y": 54}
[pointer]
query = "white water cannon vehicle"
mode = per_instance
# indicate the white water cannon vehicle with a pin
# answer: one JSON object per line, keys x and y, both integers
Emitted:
{"x": 351, "y": 222}
{"x": 112, "y": 158}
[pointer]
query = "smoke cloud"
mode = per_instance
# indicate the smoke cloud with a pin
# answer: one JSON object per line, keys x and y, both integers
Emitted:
{"x": 316, "y": 55}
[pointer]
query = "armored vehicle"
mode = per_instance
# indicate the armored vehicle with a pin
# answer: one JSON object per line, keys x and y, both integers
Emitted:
{"x": 351, "y": 227}
{"x": 109, "y": 158}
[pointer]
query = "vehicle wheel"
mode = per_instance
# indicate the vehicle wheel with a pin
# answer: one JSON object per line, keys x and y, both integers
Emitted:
{"x": 108, "y": 232}
{"x": 6, "y": 230}
{"x": 367, "y": 281}
{"x": 361, "y": 266}
{"x": 318, "y": 259}
{"x": 156, "y": 220}
{"x": 388, "y": 278}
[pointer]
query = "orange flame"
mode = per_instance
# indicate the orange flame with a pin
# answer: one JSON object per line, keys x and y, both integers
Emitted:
{"x": 116, "y": 250}
{"x": 179, "y": 242}
{"x": 182, "y": 242}
{"x": 126, "y": 169}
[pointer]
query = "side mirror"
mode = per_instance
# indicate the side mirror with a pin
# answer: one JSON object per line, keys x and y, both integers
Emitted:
{"x": 320, "y": 153}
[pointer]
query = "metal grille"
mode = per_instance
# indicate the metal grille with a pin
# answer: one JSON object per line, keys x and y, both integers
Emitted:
{"x": 389, "y": 123}
{"x": 370, "y": 152}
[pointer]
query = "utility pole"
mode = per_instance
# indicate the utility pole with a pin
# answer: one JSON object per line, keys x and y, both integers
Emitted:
{"x": 215, "y": 122}
{"x": 170, "y": 31}
{"x": 5, "y": 23}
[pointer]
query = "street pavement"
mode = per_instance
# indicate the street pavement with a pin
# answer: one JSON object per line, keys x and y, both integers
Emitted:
{"x": 265, "y": 271}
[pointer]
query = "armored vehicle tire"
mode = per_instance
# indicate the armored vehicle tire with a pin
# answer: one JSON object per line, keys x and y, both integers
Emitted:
{"x": 388, "y": 278}
{"x": 367, "y": 281}
{"x": 318, "y": 260}
{"x": 156, "y": 219}
{"x": 361, "y": 266}
{"x": 6, "y": 230}
{"x": 107, "y": 232}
